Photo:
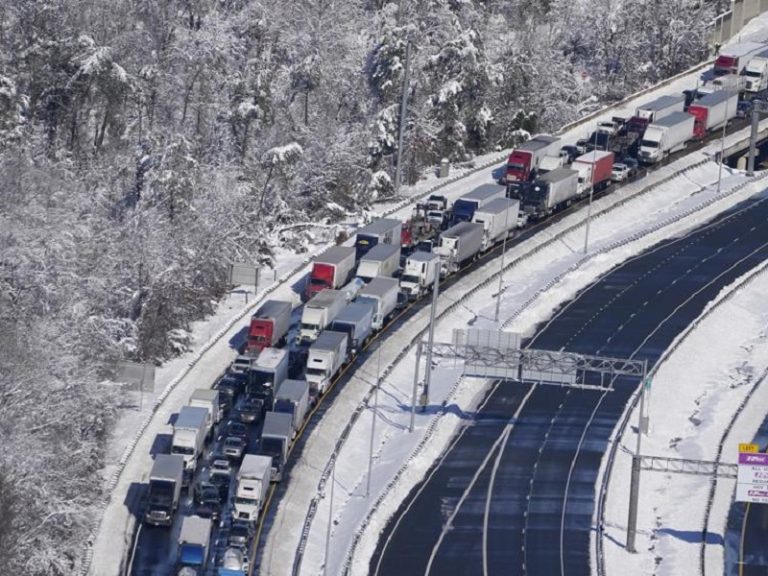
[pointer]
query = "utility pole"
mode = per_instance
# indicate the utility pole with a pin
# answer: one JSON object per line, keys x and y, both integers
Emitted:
{"x": 501, "y": 265}
{"x": 373, "y": 422}
{"x": 634, "y": 483}
{"x": 722, "y": 150}
{"x": 330, "y": 520}
{"x": 432, "y": 316}
{"x": 415, "y": 385}
{"x": 589, "y": 207}
{"x": 758, "y": 107}
{"x": 403, "y": 115}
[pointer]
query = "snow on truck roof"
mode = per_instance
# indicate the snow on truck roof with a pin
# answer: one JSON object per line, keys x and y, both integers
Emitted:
{"x": 715, "y": 98}
{"x": 335, "y": 255}
{"x": 421, "y": 256}
{"x": 325, "y": 298}
{"x": 380, "y": 226}
{"x": 354, "y": 311}
{"x": 195, "y": 530}
{"x": 559, "y": 174}
{"x": 206, "y": 394}
{"x": 379, "y": 286}
{"x": 254, "y": 465}
{"x": 381, "y": 252}
{"x": 591, "y": 157}
{"x": 270, "y": 358}
{"x": 538, "y": 142}
{"x": 497, "y": 206}
{"x": 191, "y": 417}
{"x": 328, "y": 339}
{"x": 482, "y": 192}
{"x": 272, "y": 308}
{"x": 673, "y": 119}
{"x": 167, "y": 467}
{"x": 292, "y": 389}
{"x": 662, "y": 102}
{"x": 741, "y": 49}
{"x": 278, "y": 424}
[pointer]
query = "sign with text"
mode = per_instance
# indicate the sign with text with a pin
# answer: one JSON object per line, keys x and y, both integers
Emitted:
{"x": 752, "y": 480}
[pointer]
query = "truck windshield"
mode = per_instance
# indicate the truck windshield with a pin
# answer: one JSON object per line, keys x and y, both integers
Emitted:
{"x": 272, "y": 447}
{"x": 246, "y": 501}
{"x": 318, "y": 282}
{"x": 283, "y": 406}
{"x": 649, "y": 144}
{"x": 752, "y": 74}
{"x": 512, "y": 167}
{"x": 316, "y": 372}
{"x": 308, "y": 326}
{"x": 409, "y": 278}
{"x": 184, "y": 450}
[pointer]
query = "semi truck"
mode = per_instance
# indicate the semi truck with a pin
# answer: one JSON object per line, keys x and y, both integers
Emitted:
{"x": 194, "y": 545}
{"x": 458, "y": 245}
{"x": 382, "y": 293}
{"x": 551, "y": 192}
{"x": 524, "y": 160}
{"x": 276, "y": 436}
{"x": 654, "y": 110}
{"x": 382, "y": 231}
{"x": 269, "y": 325}
{"x": 209, "y": 399}
{"x": 600, "y": 165}
{"x": 756, "y": 73}
{"x": 497, "y": 218}
{"x": 326, "y": 356}
{"x": 331, "y": 269}
{"x": 293, "y": 398}
{"x": 464, "y": 208}
{"x": 253, "y": 480}
{"x": 319, "y": 312}
{"x": 165, "y": 482}
{"x": 189, "y": 431}
{"x": 356, "y": 320}
{"x": 381, "y": 260}
{"x": 419, "y": 274}
{"x": 713, "y": 111}
{"x": 269, "y": 372}
{"x": 437, "y": 210}
{"x": 666, "y": 136}
{"x": 734, "y": 59}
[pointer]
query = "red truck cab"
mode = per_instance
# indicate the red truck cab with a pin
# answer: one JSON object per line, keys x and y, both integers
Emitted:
{"x": 519, "y": 166}
{"x": 320, "y": 278}
{"x": 260, "y": 334}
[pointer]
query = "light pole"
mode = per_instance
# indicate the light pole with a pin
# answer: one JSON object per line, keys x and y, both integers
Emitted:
{"x": 373, "y": 422}
{"x": 330, "y": 520}
{"x": 722, "y": 149}
{"x": 432, "y": 316}
{"x": 501, "y": 265}
{"x": 591, "y": 190}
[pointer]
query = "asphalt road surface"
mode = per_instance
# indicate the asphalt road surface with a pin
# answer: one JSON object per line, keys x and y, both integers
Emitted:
{"x": 515, "y": 492}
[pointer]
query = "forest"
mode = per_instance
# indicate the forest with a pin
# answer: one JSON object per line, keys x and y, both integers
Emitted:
{"x": 146, "y": 144}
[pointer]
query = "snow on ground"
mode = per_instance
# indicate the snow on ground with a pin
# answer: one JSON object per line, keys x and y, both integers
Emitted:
{"x": 660, "y": 209}
{"x": 210, "y": 339}
{"x": 694, "y": 396}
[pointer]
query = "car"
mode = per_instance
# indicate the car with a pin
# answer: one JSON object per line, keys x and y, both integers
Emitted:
{"x": 221, "y": 483}
{"x": 240, "y": 534}
{"x": 570, "y": 152}
{"x": 235, "y": 559}
{"x": 220, "y": 467}
{"x": 251, "y": 410}
{"x": 232, "y": 385}
{"x": 620, "y": 172}
{"x": 233, "y": 447}
{"x": 582, "y": 145}
{"x": 241, "y": 364}
{"x": 235, "y": 428}
{"x": 208, "y": 501}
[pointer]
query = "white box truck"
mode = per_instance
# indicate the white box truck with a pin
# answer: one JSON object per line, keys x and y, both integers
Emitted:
{"x": 194, "y": 545}
{"x": 458, "y": 245}
{"x": 164, "y": 489}
{"x": 381, "y": 260}
{"x": 326, "y": 356}
{"x": 356, "y": 320}
{"x": 293, "y": 398}
{"x": 498, "y": 218}
{"x": 756, "y": 73}
{"x": 666, "y": 136}
{"x": 270, "y": 370}
{"x": 276, "y": 436}
{"x": 253, "y": 480}
{"x": 189, "y": 431}
{"x": 382, "y": 292}
{"x": 207, "y": 398}
{"x": 419, "y": 274}
{"x": 319, "y": 312}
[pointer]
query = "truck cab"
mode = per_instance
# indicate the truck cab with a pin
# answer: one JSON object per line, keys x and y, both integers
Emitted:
{"x": 275, "y": 441}
{"x": 194, "y": 544}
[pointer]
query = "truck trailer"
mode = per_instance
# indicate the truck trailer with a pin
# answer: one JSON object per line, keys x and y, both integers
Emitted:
{"x": 601, "y": 166}
{"x": 319, "y": 312}
{"x": 269, "y": 325}
{"x": 458, "y": 245}
{"x": 524, "y": 160}
{"x": 382, "y": 293}
{"x": 713, "y": 111}
{"x": 164, "y": 489}
{"x": 253, "y": 480}
{"x": 331, "y": 269}
{"x": 381, "y": 260}
{"x": 189, "y": 432}
{"x": 666, "y": 136}
{"x": 382, "y": 231}
{"x": 209, "y": 399}
{"x": 551, "y": 192}
{"x": 326, "y": 356}
{"x": 193, "y": 546}
{"x": 276, "y": 436}
{"x": 419, "y": 274}
{"x": 498, "y": 218}
{"x": 269, "y": 371}
{"x": 464, "y": 208}
{"x": 293, "y": 398}
{"x": 656, "y": 109}
{"x": 356, "y": 320}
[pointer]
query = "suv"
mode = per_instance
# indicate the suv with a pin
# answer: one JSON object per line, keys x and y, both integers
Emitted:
{"x": 207, "y": 501}
{"x": 242, "y": 364}
{"x": 240, "y": 534}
